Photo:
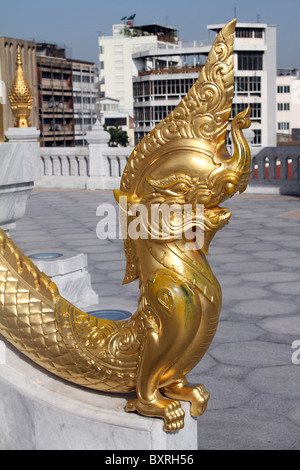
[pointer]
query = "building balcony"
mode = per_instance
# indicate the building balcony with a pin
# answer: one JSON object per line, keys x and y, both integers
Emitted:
{"x": 53, "y": 83}
{"x": 172, "y": 70}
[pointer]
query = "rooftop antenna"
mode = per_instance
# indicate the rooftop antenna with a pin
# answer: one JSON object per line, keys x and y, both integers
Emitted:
{"x": 131, "y": 18}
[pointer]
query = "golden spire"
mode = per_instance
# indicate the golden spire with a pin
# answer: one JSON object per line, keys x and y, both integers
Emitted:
{"x": 20, "y": 96}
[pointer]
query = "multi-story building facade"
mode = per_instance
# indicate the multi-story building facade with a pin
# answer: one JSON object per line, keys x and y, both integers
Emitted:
{"x": 288, "y": 105}
{"x": 8, "y": 59}
{"x": 117, "y": 68}
{"x": 158, "y": 91}
{"x": 67, "y": 97}
{"x": 55, "y": 97}
{"x": 85, "y": 95}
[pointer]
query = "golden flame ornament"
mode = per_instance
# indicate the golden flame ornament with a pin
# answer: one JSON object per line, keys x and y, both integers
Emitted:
{"x": 20, "y": 96}
{"x": 183, "y": 160}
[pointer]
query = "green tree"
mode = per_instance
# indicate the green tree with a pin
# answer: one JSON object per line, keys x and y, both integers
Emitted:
{"x": 118, "y": 137}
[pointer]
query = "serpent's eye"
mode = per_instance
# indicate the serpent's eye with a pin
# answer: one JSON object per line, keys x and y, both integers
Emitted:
{"x": 179, "y": 188}
{"x": 174, "y": 184}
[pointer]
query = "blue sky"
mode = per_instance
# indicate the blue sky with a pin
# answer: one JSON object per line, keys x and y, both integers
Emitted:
{"x": 76, "y": 23}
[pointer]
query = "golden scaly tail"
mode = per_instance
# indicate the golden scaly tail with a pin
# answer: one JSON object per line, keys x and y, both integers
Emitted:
{"x": 95, "y": 353}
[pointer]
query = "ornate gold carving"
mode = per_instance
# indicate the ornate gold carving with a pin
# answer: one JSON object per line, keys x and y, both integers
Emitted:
{"x": 20, "y": 96}
{"x": 184, "y": 161}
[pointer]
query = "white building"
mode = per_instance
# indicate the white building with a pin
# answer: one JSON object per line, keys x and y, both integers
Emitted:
{"x": 110, "y": 114}
{"x": 255, "y": 78}
{"x": 117, "y": 68}
{"x": 157, "y": 92}
{"x": 288, "y": 105}
{"x": 85, "y": 95}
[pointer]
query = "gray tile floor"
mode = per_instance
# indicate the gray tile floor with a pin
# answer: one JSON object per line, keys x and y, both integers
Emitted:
{"x": 248, "y": 370}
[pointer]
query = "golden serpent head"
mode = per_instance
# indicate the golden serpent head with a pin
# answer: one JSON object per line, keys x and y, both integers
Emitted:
{"x": 184, "y": 159}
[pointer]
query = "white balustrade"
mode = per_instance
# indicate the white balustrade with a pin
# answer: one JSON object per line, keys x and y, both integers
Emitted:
{"x": 276, "y": 169}
{"x": 98, "y": 166}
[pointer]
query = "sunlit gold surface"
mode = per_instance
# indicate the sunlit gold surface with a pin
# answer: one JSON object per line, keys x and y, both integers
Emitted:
{"x": 183, "y": 160}
{"x": 20, "y": 96}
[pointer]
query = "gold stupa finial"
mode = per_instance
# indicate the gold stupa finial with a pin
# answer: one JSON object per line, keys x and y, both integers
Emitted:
{"x": 20, "y": 96}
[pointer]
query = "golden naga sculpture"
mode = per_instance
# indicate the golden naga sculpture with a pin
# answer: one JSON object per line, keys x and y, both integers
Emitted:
{"x": 183, "y": 160}
{"x": 20, "y": 96}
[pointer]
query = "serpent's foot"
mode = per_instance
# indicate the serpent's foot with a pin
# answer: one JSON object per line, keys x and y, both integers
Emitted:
{"x": 197, "y": 395}
{"x": 169, "y": 410}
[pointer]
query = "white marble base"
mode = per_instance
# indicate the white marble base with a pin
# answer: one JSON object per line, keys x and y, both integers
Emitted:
{"x": 41, "y": 412}
{"x": 22, "y": 134}
{"x": 20, "y": 166}
{"x": 69, "y": 272}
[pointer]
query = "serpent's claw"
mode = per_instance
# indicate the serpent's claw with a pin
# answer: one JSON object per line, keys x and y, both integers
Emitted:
{"x": 169, "y": 410}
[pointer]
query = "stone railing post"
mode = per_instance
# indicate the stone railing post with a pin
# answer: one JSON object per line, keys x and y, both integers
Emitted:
{"x": 295, "y": 167}
{"x": 97, "y": 140}
{"x": 20, "y": 167}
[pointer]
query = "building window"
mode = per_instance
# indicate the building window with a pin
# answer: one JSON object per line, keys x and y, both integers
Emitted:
{"x": 147, "y": 88}
{"x": 147, "y": 114}
{"x": 249, "y": 33}
{"x": 115, "y": 121}
{"x": 244, "y": 33}
{"x": 46, "y": 75}
{"x": 57, "y": 76}
{"x": 255, "y": 110}
{"x": 283, "y": 106}
{"x": 173, "y": 87}
{"x": 139, "y": 114}
{"x": 159, "y": 87}
{"x": 160, "y": 112}
{"x": 248, "y": 84}
{"x": 255, "y": 84}
{"x": 283, "y": 126}
{"x": 101, "y": 65}
{"x": 257, "y": 137}
{"x": 186, "y": 84}
{"x": 283, "y": 89}
{"x": 239, "y": 107}
{"x": 258, "y": 33}
{"x": 250, "y": 61}
{"x": 242, "y": 84}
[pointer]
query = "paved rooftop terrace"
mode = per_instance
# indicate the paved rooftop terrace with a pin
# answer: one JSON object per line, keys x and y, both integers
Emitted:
{"x": 248, "y": 370}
